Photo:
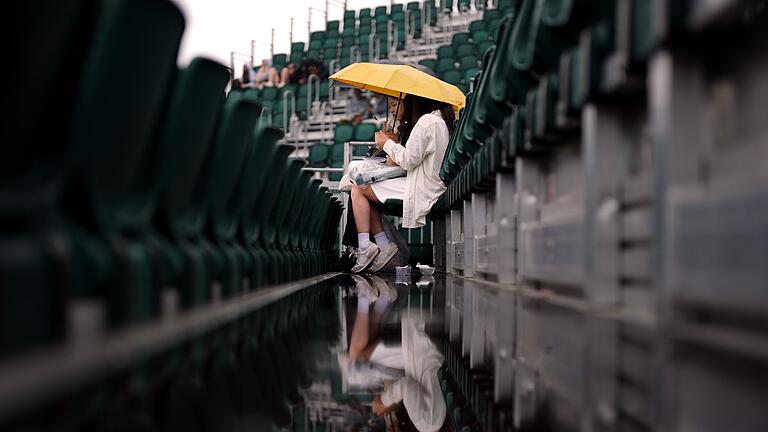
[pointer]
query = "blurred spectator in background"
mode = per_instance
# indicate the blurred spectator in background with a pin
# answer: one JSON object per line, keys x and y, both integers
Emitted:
{"x": 318, "y": 69}
{"x": 247, "y": 77}
{"x": 286, "y": 75}
{"x": 265, "y": 75}
{"x": 359, "y": 107}
{"x": 379, "y": 109}
{"x": 237, "y": 85}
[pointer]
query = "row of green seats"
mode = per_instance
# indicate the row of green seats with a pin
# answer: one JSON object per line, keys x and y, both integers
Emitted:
{"x": 167, "y": 185}
{"x": 549, "y": 59}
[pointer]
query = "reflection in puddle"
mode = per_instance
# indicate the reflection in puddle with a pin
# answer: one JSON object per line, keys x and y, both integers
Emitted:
{"x": 386, "y": 372}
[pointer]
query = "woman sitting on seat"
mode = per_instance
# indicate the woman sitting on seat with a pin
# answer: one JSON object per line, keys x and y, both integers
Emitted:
{"x": 425, "y": 127}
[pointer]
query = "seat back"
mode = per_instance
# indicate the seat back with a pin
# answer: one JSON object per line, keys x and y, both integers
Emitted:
{"x": 185, "y": 141}
{"x": 259, "y": 155}
{"x": 114, "y": 135}
{"x": 343, "y": 133}
{"x": 364, "y": 132}
{"x": 225, "y": 161}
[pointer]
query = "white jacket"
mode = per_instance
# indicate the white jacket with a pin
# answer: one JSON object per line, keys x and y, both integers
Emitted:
{"x": 421, "y": 158}
{"x": 420, "y": 388}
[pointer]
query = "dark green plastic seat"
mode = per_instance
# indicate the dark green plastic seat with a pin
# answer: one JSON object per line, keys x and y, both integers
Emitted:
{"x": 319, "y": 155}
{"x": 279, "y": 60}
{"x": 364, "y": 132}
{"x": 343, "y": 133}
{"x": 316, "y": 36}
{"x": 297, "y": 47}
{"x": 331, "y": 28}
{"x": 262, "y": 216}
{"x": 253, "y": 183}
{"x": 464, "y": 50}
{"x": 445, "y": 51}
{"x": 115, "y": 136}
{"x": 460, "y": 39}
{"x": 429, "y": 63}
{"x": 336, "y": 153}
{"x": 51, "y": 40}
{"x": 452, "y": 77}
{"x": 224, "y": 165}
{"x": 184, "y": 145}
{"x": 444, "y": 65}
{"x": 468, "y": 62}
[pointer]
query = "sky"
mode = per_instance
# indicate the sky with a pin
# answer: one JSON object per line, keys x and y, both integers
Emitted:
{"x": 217, "y": 27}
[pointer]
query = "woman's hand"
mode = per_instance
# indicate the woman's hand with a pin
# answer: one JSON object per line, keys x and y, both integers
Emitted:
{"x": 379, "y": 408}
{"x": 382, "y": 137}
{"x": 390, "y": 162}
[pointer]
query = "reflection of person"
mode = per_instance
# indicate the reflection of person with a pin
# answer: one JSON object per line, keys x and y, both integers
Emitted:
{"x": 425, "y": 128}
{"x": 418, "y": 392}
{"x": 365, "y": 345}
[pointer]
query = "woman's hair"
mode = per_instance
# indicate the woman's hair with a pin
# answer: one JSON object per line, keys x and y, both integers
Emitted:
{"x": 414, "y": 107}
{"x": 246, "y": 74}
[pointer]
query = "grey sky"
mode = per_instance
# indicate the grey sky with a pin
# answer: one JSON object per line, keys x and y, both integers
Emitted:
{"x": 216, "y": 27}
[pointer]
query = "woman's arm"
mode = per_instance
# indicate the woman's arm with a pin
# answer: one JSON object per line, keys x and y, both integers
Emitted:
{"x": 415, "y": 149}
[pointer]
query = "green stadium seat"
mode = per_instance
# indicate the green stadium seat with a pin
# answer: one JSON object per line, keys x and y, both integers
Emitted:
{"x": 430, "y": 63}
{"x": 482, "y": 47}
{"x": 297, "y": 47}
{"x": 223, "y": 168}
{"x": 336, "y": 176}
{"x": 464, "y": 50}
{"x": 313, "y": 55}
{"x": 380, "y": 10}
{"x": 430, "y": 6}
{"x": 479, "y": 36}
{"x": 469, "y": 74}
{"x": 297, "y": 58}
{"x": 331, "y": 28}
{"x": 460, "y": 38}
{"x": 464, "y": 5}
{"x": 330, "y": 53}
{"x": 444, "y": 65}
{"x": 365, "y": 13}
{"x": 396, "y": 8}
{"x": 336, "y": 153}
{"x": 343, "y": 133}
{"x": 475, "y": 26}
{"x": 468, "y": 62}
{"x": 452, "y": 77}
{"x": 315, "y": 45}
{"x": 349, "y": 15}
{"x": 411, "y": 6}
{"x": 445, "y": 51}
{"x": 364, "y": 132}
{"x": 319, "y": 155}
{"x": 279, "y": 60}
{"x": 116, "y": 142}
{"x": 259, "y": 157}
{"x": 348, "y": 41}
{"x": 331, "y": 42}
{"x": 348, "y": 31}
{"x": 269, "y": 93}
{"x": 316, "y": 36}
{"x": 491, "y": 15}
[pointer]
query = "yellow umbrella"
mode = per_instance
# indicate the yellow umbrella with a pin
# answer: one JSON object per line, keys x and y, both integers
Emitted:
{"x": 398, "y": 80}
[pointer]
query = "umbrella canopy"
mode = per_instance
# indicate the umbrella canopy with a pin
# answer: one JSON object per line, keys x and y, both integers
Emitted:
{"x": 399, "y": 80}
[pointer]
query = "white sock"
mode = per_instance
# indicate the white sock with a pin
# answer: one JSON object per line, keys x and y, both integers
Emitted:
{"x": 381, "y": 239}
{"x": 363, "y": 241}
{"x": 363, "y": 304}
{"x": 381, "y": 305}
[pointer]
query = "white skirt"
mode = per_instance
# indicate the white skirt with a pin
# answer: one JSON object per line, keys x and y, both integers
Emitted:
{"x": 390, "y": 189}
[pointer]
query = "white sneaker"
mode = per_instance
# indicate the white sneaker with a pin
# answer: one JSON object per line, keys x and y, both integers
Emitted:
{"x": 384, "y": 257}
{"x": 363, "y": 288}
{"x": 364, "y": 258}
{"x": 385, "y": 290}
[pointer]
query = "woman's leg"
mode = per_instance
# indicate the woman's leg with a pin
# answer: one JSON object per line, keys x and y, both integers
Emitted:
{"x": 361, "y": 206}
{"x": 376, "y": 225}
